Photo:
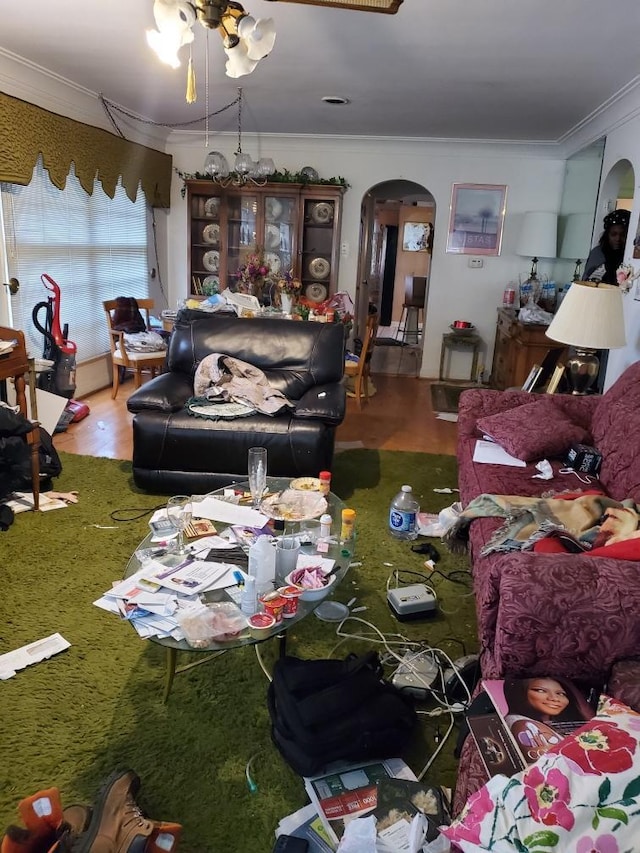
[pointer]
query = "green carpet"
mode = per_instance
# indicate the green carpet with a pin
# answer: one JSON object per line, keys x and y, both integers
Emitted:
{"x": 71, "y": 720}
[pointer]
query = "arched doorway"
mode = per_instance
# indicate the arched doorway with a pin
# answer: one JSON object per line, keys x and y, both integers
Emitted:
{"x": 384, "y": 266}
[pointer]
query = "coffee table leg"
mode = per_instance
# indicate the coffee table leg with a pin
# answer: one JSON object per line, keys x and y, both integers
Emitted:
{"x": 172, "y": 657}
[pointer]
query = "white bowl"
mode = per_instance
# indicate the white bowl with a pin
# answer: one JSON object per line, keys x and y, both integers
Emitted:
{"x": 312, "y": 594}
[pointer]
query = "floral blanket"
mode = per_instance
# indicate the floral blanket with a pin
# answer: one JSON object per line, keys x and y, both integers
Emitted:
{"x": 590, "y": 522}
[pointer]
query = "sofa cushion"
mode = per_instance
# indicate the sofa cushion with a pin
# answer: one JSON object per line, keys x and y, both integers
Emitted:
{"x": 615, "y": 427}
{"x": 581, "y": 795}
{"x": 537, "y": 430}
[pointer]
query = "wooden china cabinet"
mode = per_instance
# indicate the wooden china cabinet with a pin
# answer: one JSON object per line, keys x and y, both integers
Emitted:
{"x": 297, "y": 226}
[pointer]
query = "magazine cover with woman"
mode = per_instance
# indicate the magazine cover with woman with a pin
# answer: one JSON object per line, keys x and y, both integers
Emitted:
{"x": 539, "y": 712}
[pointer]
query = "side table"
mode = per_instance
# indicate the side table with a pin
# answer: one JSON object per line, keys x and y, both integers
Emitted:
{"x": 466, "y": 340}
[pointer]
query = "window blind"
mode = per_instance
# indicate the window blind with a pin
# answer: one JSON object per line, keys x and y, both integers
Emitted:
{"x": 94, "y": 247}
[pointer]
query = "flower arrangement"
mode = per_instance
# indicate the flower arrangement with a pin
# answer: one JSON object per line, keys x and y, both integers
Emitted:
{"x": 289, "y": 284}
{"x": 625, "y": 276}
{"x": 252, "y": 274}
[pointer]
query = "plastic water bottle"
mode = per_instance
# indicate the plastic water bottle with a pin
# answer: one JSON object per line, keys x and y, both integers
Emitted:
{"x": 262, "y": 564}
{"x": 403, "y": 515}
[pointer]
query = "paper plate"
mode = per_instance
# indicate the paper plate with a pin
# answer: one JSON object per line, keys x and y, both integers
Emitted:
{"x": 220, "y": 411}
{"x": 306, "y": 484}
{"x": 293, "y": 505}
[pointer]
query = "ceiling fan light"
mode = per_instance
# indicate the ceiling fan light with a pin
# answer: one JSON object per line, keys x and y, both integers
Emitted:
{"x": 238, "y": 61}
{"x": 165, "y": 46}
{"x": 260, "y": 38}
{"x": 216, "y": 165}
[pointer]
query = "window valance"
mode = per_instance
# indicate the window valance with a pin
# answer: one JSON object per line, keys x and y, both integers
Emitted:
{"x": 26, "y": 131}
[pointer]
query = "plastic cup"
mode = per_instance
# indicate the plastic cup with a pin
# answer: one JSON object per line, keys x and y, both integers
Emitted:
{"x": 287, "y": 551}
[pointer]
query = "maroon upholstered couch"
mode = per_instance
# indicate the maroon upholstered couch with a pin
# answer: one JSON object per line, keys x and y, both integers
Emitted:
{"x": 563, "y": 614}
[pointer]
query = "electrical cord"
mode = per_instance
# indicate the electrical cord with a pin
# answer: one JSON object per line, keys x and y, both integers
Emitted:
{"x": 124, "y": 514}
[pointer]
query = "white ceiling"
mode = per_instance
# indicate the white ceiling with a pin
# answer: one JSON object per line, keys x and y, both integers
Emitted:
{"x": 475, "y": 69}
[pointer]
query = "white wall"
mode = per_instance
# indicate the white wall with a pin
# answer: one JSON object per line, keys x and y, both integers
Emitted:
{"x": 534, "y": 175}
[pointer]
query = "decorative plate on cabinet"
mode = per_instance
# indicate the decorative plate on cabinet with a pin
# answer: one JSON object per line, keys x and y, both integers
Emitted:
{"x": 272, "y": 236}
{"x": 211, "y": 261}
{"x": 319, "y": 268}
{"x": 273, "y": 209}
{"x": 322, "y": 213}
{"x": 211, "y": 233}
{"x": 212, "y": 207}
{"x": 274, "y": 262}
{"x": 211, "y": 281}
{"x": 316, "y": 292}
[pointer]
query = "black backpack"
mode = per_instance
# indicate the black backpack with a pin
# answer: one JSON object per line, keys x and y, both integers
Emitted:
{"x": 336, "y": 710}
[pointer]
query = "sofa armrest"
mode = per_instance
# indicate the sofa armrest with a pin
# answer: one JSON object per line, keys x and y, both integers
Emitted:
{"x": 476, "y": 403}
{"x": 323, "y": 402}
{"x": 165, "y": 393}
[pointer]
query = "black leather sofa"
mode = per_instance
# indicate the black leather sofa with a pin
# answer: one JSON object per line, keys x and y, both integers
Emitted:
{"x": 175, "y": 452}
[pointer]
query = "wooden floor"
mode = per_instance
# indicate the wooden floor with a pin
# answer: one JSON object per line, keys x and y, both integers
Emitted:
{"x": 397, "y": 417}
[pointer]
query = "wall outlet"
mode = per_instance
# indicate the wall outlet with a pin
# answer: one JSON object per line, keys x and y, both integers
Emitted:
{"x": 476, "y": 263}
{"x": 344, "y": 249}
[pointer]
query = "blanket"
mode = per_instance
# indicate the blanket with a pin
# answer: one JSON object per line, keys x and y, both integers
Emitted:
{"x": 589, "y": 522}
{"x": 223, "y": 377}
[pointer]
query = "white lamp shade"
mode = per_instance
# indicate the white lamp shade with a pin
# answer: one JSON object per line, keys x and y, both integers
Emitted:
{"x": 576, "y": 240}
{"x": 258, "y": 36}
{"x": 538, "y": 235}
{"x": 590, "y": 317}
{"x": 238, "y": 61}
{"x": 174, "y": 19}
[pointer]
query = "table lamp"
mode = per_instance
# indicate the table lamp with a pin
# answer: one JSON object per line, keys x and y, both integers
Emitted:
{"x": 538, "y": 238}
{"x": 576, "y": 240}
{"x": 590, "y": 318}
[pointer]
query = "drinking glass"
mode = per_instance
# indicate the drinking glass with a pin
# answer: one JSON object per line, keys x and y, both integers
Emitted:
{"x": 179, "y": 511}
{"x": 257, "y": 473}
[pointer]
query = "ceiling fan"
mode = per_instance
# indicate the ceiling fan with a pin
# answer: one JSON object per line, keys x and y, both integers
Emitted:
{"x": 389, "y": 7}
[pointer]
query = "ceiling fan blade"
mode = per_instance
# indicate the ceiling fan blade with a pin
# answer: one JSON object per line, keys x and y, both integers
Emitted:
{"x": 389, "y": 7}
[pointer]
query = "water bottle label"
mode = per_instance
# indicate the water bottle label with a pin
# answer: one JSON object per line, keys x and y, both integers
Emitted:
{"x": 404, "y": 522}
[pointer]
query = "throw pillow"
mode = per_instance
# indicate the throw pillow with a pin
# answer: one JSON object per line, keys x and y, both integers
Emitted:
{"x": 582, "y": 795}
{"x": 534, "y": 431}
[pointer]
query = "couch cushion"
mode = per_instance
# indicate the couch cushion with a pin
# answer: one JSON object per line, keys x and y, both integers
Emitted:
{"x": 581, "y": 795}
{"x": 615, "y": 428}
{"x": 537, "y": 430}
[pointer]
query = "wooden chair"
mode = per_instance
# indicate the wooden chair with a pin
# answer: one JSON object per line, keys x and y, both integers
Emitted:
{"x": 14, "y": 365}
{"x": 361, "y": 386}
{"x": 122, "y": 359}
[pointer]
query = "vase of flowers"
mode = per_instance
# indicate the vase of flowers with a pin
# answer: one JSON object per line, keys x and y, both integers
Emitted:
{"x": 253, "y": 274}
{"x": 289, "y": 288}
{"x": 625, "y": 276}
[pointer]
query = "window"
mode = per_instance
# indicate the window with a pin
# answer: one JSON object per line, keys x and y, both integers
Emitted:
{"x": 94, "y": 247}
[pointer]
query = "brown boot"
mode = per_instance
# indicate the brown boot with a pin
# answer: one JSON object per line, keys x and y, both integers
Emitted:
{"x": 46, "y": 822}
{"x": 117, "y": 824}
{"x": 75, "y": 821}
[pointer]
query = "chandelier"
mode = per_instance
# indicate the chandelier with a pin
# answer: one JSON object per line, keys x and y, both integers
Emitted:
{"x": 245, "y": 40}
{"x": 245, "y": 169}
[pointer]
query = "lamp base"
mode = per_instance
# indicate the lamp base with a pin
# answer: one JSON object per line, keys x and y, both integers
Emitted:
{"x": 582, "y": 370}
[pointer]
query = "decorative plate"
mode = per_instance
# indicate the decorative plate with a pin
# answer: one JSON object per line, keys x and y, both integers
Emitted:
{"x": 273, "y": 209}
{"x": 274, "y": 262}
{"x": 211, "y": 260}
{"x": 211, "y": 281}
{"x": 306, "y": 484}
{"x": 212, "y": 207}
{"x": 211, "y": 233}
{"x": 293, "y": 505}
{"x": 316, "y": 292}
{"x": 272, "y": 236}
{"x": 322, "y": 213}
{"x": 227, "y": 410}
{"x": 319, "y": 268}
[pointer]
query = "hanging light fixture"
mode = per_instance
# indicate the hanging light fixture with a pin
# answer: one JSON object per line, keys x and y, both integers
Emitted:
{"x": 245, "y": 40}
{"x": 245, "y": 169}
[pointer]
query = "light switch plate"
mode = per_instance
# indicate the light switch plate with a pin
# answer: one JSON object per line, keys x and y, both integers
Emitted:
{"x": 476, "y": 263}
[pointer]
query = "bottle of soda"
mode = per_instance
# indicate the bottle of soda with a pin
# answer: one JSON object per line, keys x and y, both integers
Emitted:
{"x": 403, "y": 514}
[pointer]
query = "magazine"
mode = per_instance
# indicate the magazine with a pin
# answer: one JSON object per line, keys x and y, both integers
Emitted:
{"x": 495, "y": 745}
{"x": 347, "y": 791}
{"x": 538, "y": 712}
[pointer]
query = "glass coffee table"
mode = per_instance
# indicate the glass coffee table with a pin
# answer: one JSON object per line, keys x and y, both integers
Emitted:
{"x": 340, "y": 553}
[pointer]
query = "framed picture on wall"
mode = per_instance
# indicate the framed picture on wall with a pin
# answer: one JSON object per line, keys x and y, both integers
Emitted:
{"x": 417, "y": 237}
{"x": 476, "y": 219}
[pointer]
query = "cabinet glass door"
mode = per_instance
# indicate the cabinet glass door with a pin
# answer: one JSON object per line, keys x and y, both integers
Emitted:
{"x": 317, "y": 248}
{"x": 242, "y": 215}
{"x": 279, "y": 233}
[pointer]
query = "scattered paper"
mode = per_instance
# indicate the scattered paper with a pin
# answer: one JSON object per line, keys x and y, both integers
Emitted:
{"x": 216, "y": 510}
{"x": 492, "y": 454}
{"x": 20, "y": 658}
